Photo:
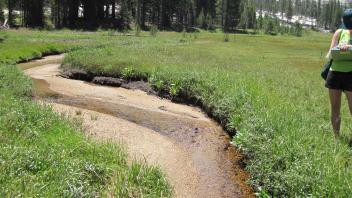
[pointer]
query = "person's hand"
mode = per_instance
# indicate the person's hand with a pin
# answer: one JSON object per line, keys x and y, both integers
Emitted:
{"x": 345, "y": 47}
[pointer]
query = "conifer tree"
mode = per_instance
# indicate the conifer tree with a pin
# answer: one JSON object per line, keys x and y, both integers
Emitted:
{"x": 33, "y": 13}
{"x": 2, "y": 14}
{"x": 289, "y": 10}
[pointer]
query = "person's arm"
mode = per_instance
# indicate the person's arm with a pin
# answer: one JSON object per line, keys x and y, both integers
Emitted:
{"x": 335, "y": 39}
{"x": 334, "y": 42}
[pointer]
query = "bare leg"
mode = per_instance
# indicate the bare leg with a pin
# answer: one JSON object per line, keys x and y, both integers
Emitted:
{"x": 349, "y": 99}
{"x": 335, "y": 101}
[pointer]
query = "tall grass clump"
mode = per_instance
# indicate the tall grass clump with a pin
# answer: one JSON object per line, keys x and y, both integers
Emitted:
{"x": 226, "y": 37}
{"x": 153, "y": 30}
{"x": 42, "y": 154}
{"x": 265, "y": 89}
{"x": 138, "y": 30}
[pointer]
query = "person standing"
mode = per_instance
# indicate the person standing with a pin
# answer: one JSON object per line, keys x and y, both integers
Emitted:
{"x": 339, "y": 78}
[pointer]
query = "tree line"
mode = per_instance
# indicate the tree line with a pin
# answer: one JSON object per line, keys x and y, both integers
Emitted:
{"x": 177, "y": 15}
{"x": 121, "y": 14}
{"x": 326, "y": 13}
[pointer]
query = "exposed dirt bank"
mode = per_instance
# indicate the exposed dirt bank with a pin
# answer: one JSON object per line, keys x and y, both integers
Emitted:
{"x": 189, "y": 147}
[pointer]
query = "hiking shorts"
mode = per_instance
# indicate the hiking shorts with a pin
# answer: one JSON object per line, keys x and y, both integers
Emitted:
{"x": 339, "y": 80}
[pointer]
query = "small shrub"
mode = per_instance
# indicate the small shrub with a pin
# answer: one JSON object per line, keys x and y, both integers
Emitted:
{"x": 159, "y": 84}
{"x": 177, "y": 27}
{"x": 3, "y": 37}
{"x": 297, "y": 29}
{"x": 175, "y": 88}
{"x": 138, "y": 30}
{"x": 271, "y": 25}
{"x": 125, "y": 30}
{"x": 193, "y": 29}
{"x": 153, "y": 30}
{"x": 184, "y": 34}
{"x": 195, "y": 35}
{"x": 78, "y": 112}
{"x": 94, "y": 117}
{"x": 111, "y": 33}
{"x": 128, "y": 73}
{"x": 226, "y": 37}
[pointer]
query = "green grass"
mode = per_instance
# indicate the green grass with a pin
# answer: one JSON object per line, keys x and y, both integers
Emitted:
{"x": 43, "y": 154}
{"x": 267, "y": 88}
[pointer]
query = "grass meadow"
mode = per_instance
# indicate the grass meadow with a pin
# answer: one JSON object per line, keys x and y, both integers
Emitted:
{"x": 43, "y": 154}
{"x": 266, "y": 88}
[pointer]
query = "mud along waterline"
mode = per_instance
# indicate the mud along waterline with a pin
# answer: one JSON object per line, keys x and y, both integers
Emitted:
{"x": 198, "y": 159}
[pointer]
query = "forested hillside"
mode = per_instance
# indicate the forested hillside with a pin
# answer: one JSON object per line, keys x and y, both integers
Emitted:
{"x": 176, "y": 15}
{"x": 165, "y": 14}
{"x": 322, "y": 13}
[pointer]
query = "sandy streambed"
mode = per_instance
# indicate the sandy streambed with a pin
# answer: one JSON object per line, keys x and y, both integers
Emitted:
{"x": 189, "y": 147}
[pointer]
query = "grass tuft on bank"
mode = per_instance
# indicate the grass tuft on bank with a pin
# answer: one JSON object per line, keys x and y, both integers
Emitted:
{"x": 266, "y": 88}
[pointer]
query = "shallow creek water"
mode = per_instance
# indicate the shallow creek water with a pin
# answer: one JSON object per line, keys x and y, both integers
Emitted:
{"x": 193, "y": 150}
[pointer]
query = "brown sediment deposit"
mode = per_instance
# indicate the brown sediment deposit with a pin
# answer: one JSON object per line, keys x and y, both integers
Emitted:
{"x": 194, "y": 151}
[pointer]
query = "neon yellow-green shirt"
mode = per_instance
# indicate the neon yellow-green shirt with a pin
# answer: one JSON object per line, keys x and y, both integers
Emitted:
{"x": 343, "y": 66}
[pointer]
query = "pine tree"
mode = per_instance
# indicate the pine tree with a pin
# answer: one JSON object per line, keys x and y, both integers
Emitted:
{"x": 336, "y": 23}
{"x": 289, "y": 10}
{"x": 244, "y": 9}
{"x": 73, "y": 7}
{"x": 320, "y": 13}
{"x": 298, "y": 7}
{"x": 232, "y": 15}
{"x": 298, "y": 29}
{"x": 33, "y": 13}
{"x": 260, "y": 17}
{"x": 10, "y": 5}
{"x": 2, "y": 14}
{"x": 283, "y": 7}
{"x": 125, "y": 15}
{"x": 201, "y": 19}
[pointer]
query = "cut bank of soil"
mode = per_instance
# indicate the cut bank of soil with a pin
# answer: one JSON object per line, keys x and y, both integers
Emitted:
{"x": 189, "y": 147}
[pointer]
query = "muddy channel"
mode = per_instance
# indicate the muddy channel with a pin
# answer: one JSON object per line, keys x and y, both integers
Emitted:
{"x": 194, "y": 151}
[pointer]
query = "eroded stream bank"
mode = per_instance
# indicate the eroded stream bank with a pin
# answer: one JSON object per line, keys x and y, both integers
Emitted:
{"x": 189, "y": 147}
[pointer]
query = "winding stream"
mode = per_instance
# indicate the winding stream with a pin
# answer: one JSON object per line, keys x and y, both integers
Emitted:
{"x": 190, "y": 148}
